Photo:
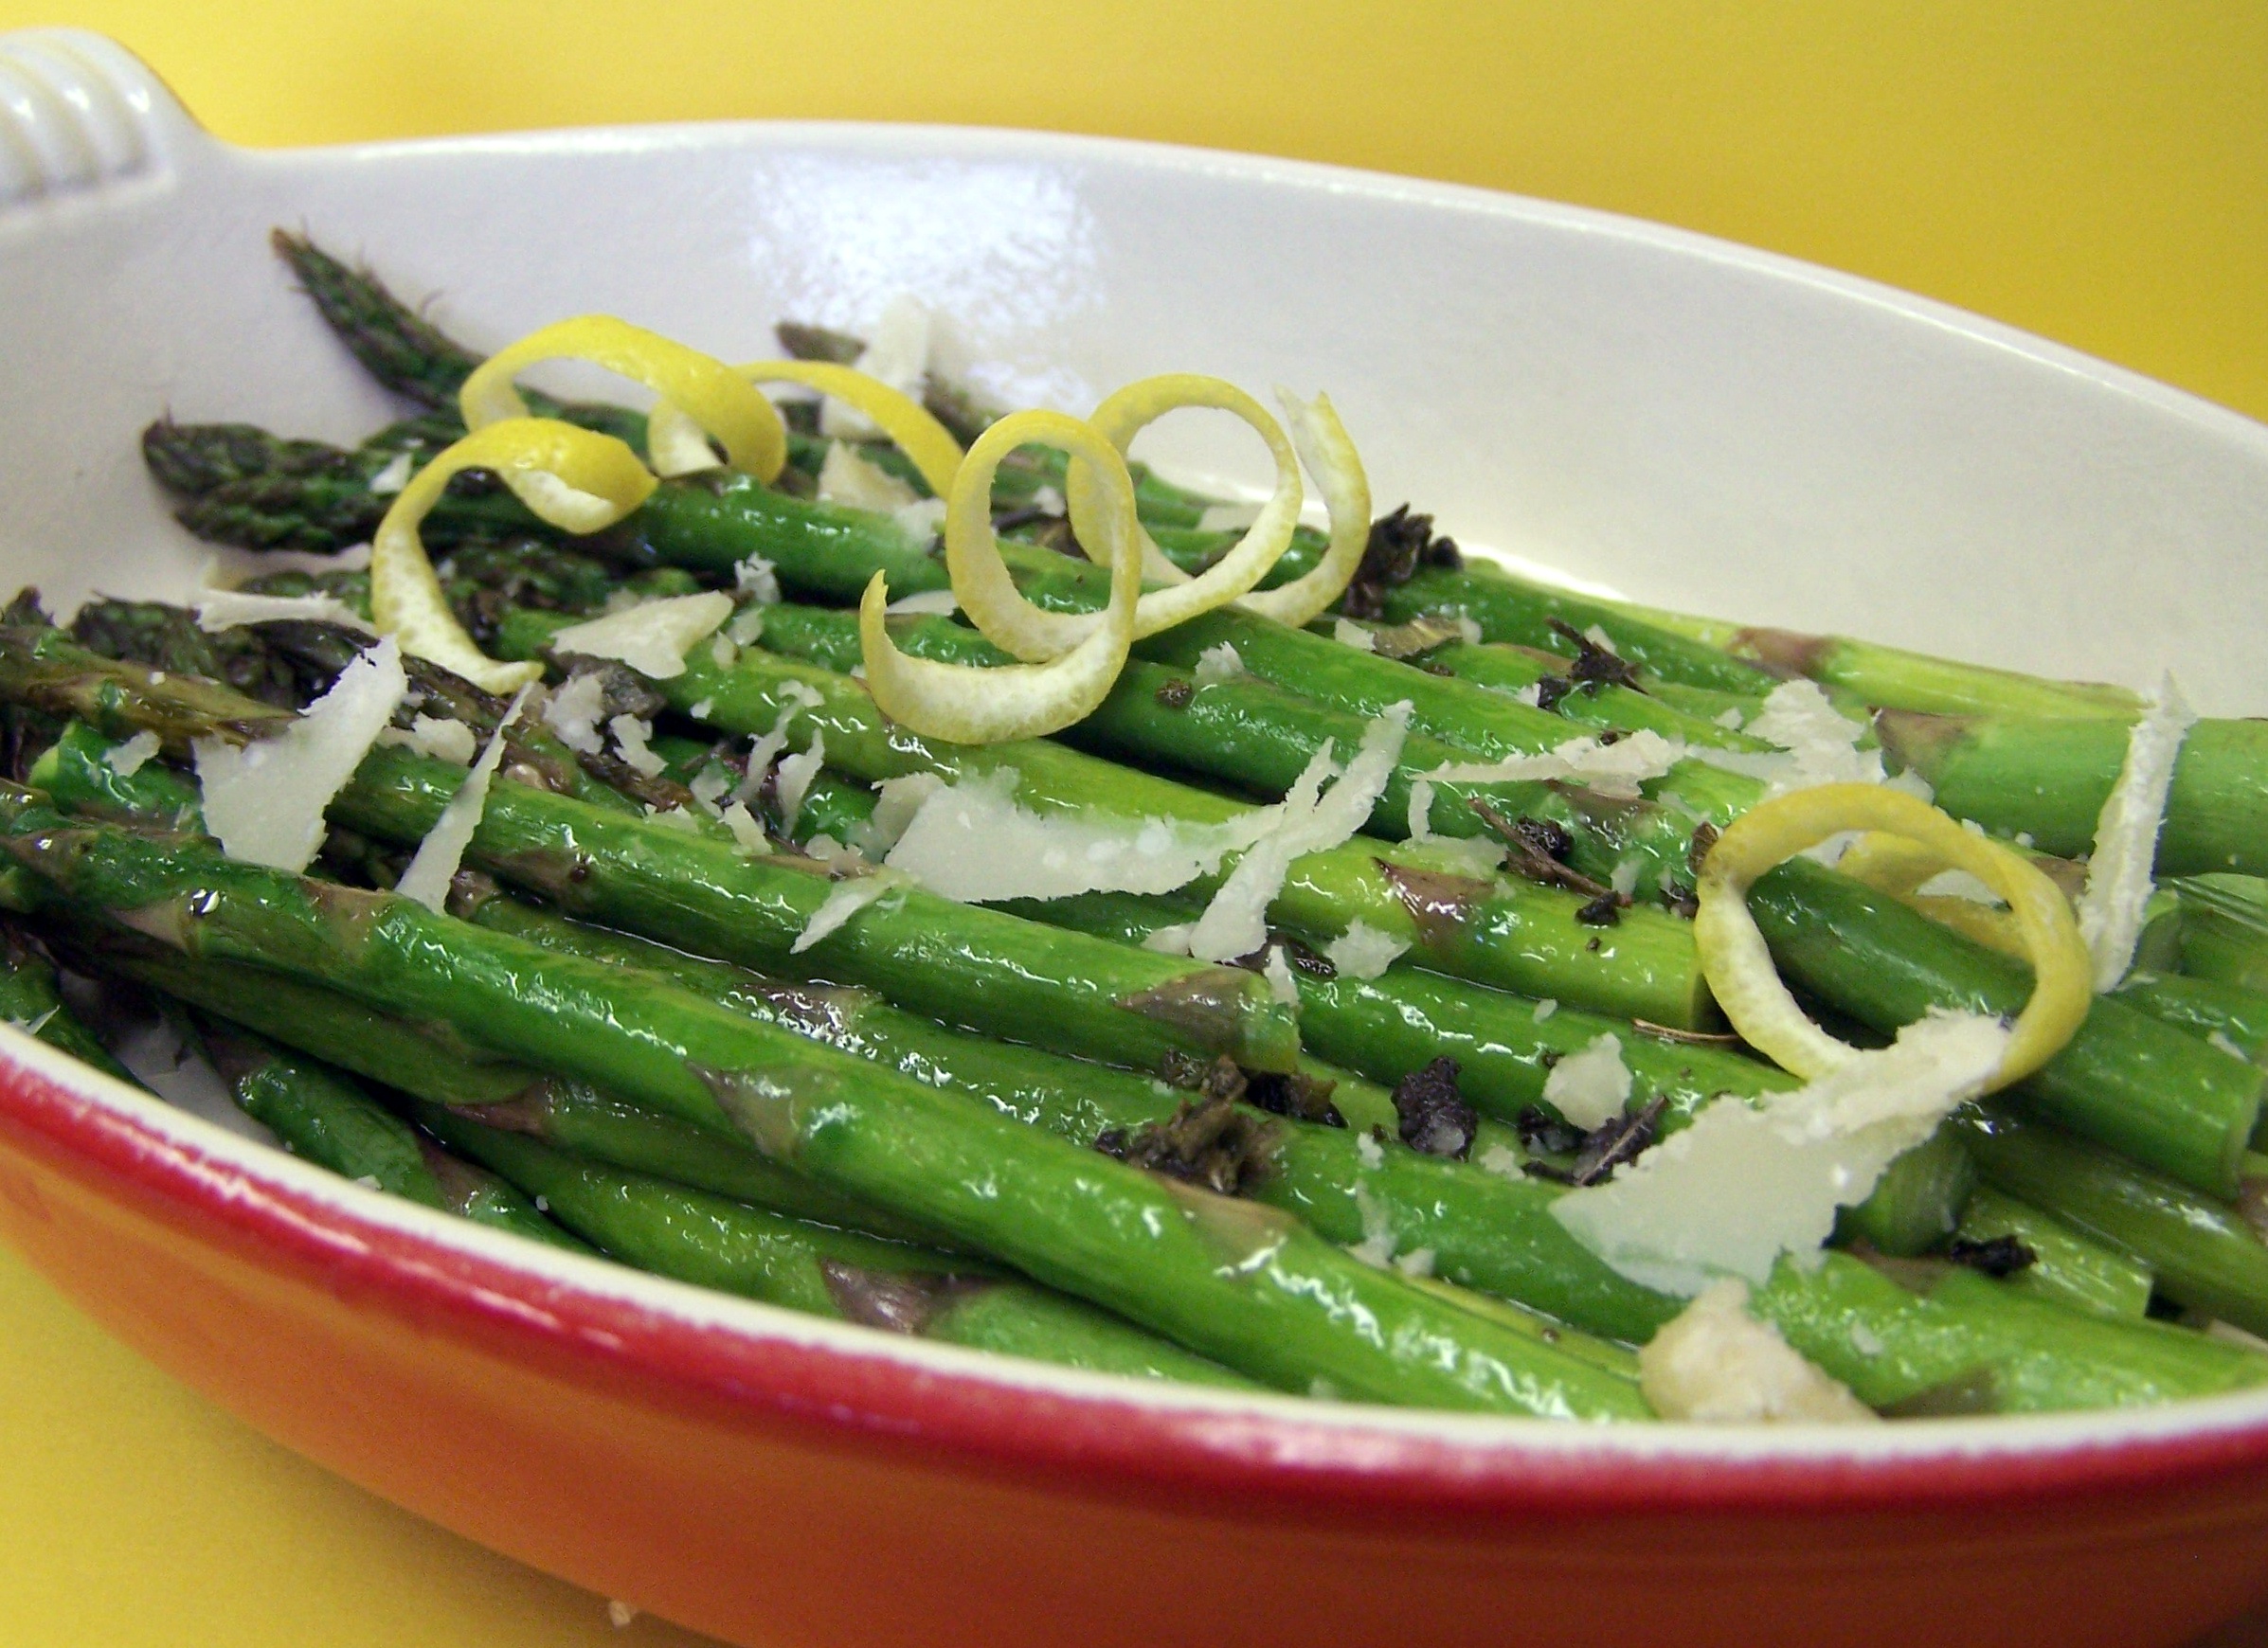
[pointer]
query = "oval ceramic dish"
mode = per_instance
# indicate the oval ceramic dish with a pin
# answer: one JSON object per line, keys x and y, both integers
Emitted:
{"x": 1691, "y": 422}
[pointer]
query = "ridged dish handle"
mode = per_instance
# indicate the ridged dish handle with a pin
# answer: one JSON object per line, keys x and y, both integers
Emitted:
{"x": 80, "y": 116}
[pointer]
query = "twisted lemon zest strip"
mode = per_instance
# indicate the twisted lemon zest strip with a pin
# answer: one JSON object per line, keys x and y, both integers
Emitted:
{"x": 1739, "y": 968}
{"x": 918, "y": 434}
{"x": 1329, "y": 453}
{"x": 1893, "y": 865}
{"x": 706, "y": 396}
{"x": 971, "y": 704}
{"x": 574, "y": 478}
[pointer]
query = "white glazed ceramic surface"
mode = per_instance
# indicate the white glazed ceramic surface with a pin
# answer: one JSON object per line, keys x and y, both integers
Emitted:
{"x": 1682, "y": 420}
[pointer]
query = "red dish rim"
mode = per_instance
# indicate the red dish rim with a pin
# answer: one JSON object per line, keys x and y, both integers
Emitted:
{"x": 1348, "y": 1457}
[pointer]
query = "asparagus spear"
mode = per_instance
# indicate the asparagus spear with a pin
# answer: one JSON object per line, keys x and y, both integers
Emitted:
{"x": 712, "y": 1242}
{"x": 2048, "y": 779}
{"x": 2229, "y": 1015}
{"x": 1893, "y": 678}
{"x": 325, "y": 1119}
{"x": 1509, "y": 933}
{"x": 2223, "y": 929}
{"x": 2064, "y": 1264}
{"x": 1245, "y": 1284}
{"x": 30, "y": 1001}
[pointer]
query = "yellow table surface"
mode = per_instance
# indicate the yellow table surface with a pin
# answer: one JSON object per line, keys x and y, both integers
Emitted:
{"x": 2096, "y": 173}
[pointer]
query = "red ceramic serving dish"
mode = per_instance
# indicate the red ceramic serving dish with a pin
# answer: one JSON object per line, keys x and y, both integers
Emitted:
{"x": 1707, "y": 426}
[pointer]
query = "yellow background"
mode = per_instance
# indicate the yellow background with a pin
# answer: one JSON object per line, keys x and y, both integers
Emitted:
{"x": 2096, "y": 173}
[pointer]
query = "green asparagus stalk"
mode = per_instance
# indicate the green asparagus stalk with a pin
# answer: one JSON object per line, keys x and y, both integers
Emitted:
{"x": 1245, "y": 1284}
{"x": 2048, "y": 779}
{"x": 2065, "y": 1265}
{"x": 2205, "y": 1255}
{"x": 2229, "y": 1015}
{"x": 1514, "y": 934}
{"x": 32, "y": 1002}
{"x": 1917, "y": 1202}
{"x": 318, "y": 1115}
{"x": 1890, "y": 677}
{"x": 2224, "y": 930}
{"x": 1394, "y": 1025}
{"x": 709, "y": 1241}
{"x": 1528, "y": 674}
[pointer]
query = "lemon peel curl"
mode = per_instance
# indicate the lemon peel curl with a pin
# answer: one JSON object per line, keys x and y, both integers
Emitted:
{"x": 706, "y": 397}
{"x": 1126, "y": 413}
{"x": 1893, "y": 865}
{"x": 574, "y": 478}
{"x": 1739, "y": 965}
{"x": 1329, "y": 453}
{"x": 973, "y": 704}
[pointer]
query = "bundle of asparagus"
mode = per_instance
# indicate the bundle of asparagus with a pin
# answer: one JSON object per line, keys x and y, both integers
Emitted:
{"x": 677, "y": 1006}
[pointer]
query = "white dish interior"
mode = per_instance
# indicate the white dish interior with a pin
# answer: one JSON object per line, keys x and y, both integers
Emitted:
{"x": 1688, "y": 422}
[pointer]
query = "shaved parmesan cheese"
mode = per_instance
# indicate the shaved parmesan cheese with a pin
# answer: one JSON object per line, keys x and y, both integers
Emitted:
{"x": 427, "y": 879}
{"x": 709, "y": 787}
{"x": 1173, "y": 940}
{"x": 1546, "y": 1008}
{"x": 573, "y": 711}
{"x": 1277, "y": 970}
{"x": 724, "y": 652}
{"x": 921, "y": 520}
{"x": 1611, "y": 769}
{"x": 846, "y": 478}
{"x": 897, "y": 803}
{"x": 1817, "y": 744}
{"x": 897, "y": 352}
{"x": 264, "y": 800}
{"x": 630, "y": 736}
{"x": 653, "y": 636}
{"x": 1591, "y": 1087}
{"x": 1368, "y": 1151}
{"x": 1362, "y": 951}
{"x": 766, "y": 750}
{"x": 847, "y": 899}
{"x": 747, "y": 834}
{"x": 1217, "y": 663}
{"x": 756, "y": 579}
{"x": 1719, "y": 1365}
{"x": 1504, "y": 1162}
{"x": 449, "y": 740}
{"x": 129, "y": 758}
{"x": 228, "y": 609}
{"x": 796, "y": 774}
{"x": 1236, "y": 922}
{"x": 1421, "y": 810}
{"x": 1376, "y": 1249}
{"x": 942, "y": 602}
{"x": 392, "y": 478}
{"x": 1745, "y": 1183}
{"x": 1348, "y": 633}
{"x": 2126, "y": 836}
{"x": 972, "y": 841}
